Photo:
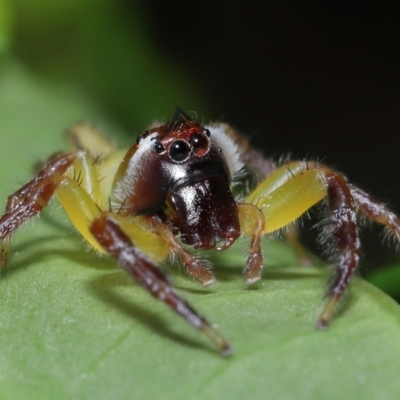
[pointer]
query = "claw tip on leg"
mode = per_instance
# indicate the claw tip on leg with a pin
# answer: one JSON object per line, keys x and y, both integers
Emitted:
{"x": 223, "y": 345}
{"x": 327, "y": 313}
{"x": 322, "y": 324}
{"x": 251, "y": 281}
{"x": 209, "y": 282}
{"x": 227, "y": 350}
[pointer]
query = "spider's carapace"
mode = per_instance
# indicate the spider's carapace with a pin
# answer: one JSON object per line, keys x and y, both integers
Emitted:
{"x": 181, "y": 167}
{"x": 173, "y": 188}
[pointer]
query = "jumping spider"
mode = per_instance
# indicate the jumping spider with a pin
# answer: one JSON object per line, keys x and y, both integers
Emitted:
{"x": 173, "y": 187}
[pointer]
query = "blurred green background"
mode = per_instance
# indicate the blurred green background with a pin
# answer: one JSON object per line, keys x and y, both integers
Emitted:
{"x": 309, "y": 79}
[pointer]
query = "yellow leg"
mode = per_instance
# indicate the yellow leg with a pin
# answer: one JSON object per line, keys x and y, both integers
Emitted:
{"x": 82, "y": 208}
{"x": 288, "y": 193}
{"x": 278, "y": 201}
{"x": 84, "y": 172}
{"x": 84, "y": 136}
{"x": 102, "y": 153}
{"x": 293, "y": 189}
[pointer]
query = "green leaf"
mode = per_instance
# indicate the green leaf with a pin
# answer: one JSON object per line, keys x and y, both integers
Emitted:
{"x": 387, "y": 279}
{"x": 72, "y": 325}
{"x": 6, "y": 22}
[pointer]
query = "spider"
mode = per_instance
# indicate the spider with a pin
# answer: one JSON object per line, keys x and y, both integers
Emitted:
{"x": 172, "y": 190}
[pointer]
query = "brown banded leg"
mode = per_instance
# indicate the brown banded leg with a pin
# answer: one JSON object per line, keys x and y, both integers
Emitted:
{"x": 376, "y": 211}
{"x": 343, "y": 229}
{"x": 32, "y": 198}
{"x": 149, "y": 276}
{"x": 56, "y": 166}
{"x": 194, "y": 267}
{"x": 254, "y": 263}
{"x": 4, "y": 249}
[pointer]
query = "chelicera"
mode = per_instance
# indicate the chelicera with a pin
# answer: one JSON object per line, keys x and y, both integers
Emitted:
{"x": 173, "y": 188}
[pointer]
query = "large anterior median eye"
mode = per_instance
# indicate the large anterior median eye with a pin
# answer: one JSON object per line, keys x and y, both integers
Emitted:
{"x": 179, "y": 150}
{"x": 199, "y": 143}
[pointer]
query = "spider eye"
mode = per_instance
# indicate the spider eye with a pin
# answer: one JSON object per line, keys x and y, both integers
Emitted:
{"x": 199, "y": 143}
{"x": 159, "y": 148}
{"x": 207, "y": 132}
{"x": 179, "y": 150}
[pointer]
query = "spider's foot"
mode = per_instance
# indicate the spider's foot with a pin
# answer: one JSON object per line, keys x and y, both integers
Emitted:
{"x": 224, "y": 347}
{"x": 210, "y": 282}
{"x": 303, "y": 259}
{"x": 200, "y": 272}
{"x": 327, "y": 313}
{"x": 254, "y": 264}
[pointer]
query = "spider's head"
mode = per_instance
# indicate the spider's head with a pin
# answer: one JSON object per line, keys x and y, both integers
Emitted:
{"x": 187, "y": 169}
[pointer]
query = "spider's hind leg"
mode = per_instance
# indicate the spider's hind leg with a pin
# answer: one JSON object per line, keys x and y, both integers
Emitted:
{"x": 290, "y": 192}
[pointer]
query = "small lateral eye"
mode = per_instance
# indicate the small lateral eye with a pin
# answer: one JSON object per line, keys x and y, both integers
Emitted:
{"x": 159, "y": 148}
{"x": 179, "y": 150}
{"x": 141, "y": 137}
{"x": 199, "y": 143}
{"x": 207, "y": 132}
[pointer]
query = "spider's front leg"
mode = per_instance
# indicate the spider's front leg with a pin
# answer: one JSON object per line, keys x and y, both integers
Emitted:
{"x": 341, "y": 227}
{"x": 294, "y": 188}
{"x": 106, "y": 229}
{"x": 345, "y": 201}
{"x": 32, "y": 198}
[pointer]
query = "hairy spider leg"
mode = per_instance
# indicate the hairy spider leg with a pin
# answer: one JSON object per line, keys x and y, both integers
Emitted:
{"x": 376, "y": 211}
{"x": 108, "y": 232}
{"x": 252, "y": 222}
{"x": 31, "y": 199}
{"x": 279, "y": 200}
{"x": 262, "y": 167}
{"x": 194, "y": 266}
{"x": 297, "y": 186}
{"x": 71, "y": 177}
{"x": 74, "y": 179}
{"x": 115, "y": 232}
